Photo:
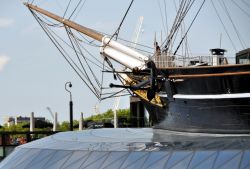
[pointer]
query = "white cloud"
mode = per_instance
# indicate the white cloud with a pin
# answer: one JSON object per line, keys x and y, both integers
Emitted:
{"x": 3, "y": 61}
{"x": 6, "y": 22}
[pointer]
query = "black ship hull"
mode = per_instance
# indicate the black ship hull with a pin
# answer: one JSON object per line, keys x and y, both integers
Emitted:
{"x": 204, "y": 99}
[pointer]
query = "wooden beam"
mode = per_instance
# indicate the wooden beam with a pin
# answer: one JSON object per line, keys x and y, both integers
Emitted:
{"x": 87, "y": 31}
{"x": 207, "y": 75}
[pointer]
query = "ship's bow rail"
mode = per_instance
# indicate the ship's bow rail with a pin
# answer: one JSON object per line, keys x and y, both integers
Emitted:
{"x": 166, "y": 60}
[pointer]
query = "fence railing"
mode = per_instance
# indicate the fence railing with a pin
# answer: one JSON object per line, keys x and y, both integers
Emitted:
{"x": 9, "y": 140}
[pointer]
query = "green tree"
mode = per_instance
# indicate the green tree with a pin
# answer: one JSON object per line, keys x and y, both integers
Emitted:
{"x": 64, "y": 126}
{"x": 16, "y": 127}
{"x": 122, "y": 115}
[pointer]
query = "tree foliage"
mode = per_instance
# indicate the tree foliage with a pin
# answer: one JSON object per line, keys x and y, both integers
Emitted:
{"x": 109, "y": 114}
{"x": 106, "y": 117}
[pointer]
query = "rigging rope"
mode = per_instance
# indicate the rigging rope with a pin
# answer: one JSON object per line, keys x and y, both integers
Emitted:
{"x": 68, "y": 45}
{"x": 234, "y": 26}
{"x": 116, "y": 36}
{"x": 32, "y": 1}
{"x": 75, "y": 9}
{"x": 77, "y": 48}
{"x": 166, "y": 16}
{"x": 51, "y": 23}
{"x": 184, "y": 8}
{"x": 120, "y": 25}
{"x": 171, "y": 33}
{"x": 241, "y": 9}
{"x": 70, "y": 35}
{"x": 245, "y": 3}
{"x": 224, "y": 27}
{"x": 189, "y": 27}
{"x": 62, "y": 51}
{"x": 66, "y": 9}
{"x": 162, "y": 19}
{"x": 103, "y": 64}
{"x": 80, "y": 9}
{"x": 90, "y": 43}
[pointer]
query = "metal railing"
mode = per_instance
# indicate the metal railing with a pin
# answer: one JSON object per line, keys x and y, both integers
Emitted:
{"x": 168, "y": 60}
{"x": 10, "y": 140}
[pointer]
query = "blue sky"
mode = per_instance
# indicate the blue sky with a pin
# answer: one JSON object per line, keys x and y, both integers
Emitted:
{"x": 33, "y": 74}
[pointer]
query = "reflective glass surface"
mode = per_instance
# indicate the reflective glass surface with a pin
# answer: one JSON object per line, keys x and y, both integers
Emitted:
{"x": 132, "y": 148}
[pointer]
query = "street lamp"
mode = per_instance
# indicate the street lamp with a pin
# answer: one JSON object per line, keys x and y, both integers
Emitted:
{"x": 70, "y": 106}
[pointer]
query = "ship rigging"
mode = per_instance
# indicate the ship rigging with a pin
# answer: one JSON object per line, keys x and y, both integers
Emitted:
{"x": 181, "y": 94}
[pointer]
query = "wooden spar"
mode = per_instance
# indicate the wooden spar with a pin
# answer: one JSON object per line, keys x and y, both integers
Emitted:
{"x": 87, "y": 31}
{"x": 112, "y": 49}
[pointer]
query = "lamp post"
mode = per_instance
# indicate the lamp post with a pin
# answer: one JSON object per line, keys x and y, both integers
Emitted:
{"x": 70, "y": 106}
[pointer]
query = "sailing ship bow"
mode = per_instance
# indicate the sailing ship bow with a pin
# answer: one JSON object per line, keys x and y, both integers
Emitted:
{"x": 135, "y": 61}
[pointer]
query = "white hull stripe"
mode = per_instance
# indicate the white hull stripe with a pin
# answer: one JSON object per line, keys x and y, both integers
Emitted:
{"x": 215, "y": 96}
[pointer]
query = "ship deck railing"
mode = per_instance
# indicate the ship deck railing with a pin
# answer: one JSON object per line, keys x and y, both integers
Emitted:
{"x": 168, "y": 60}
